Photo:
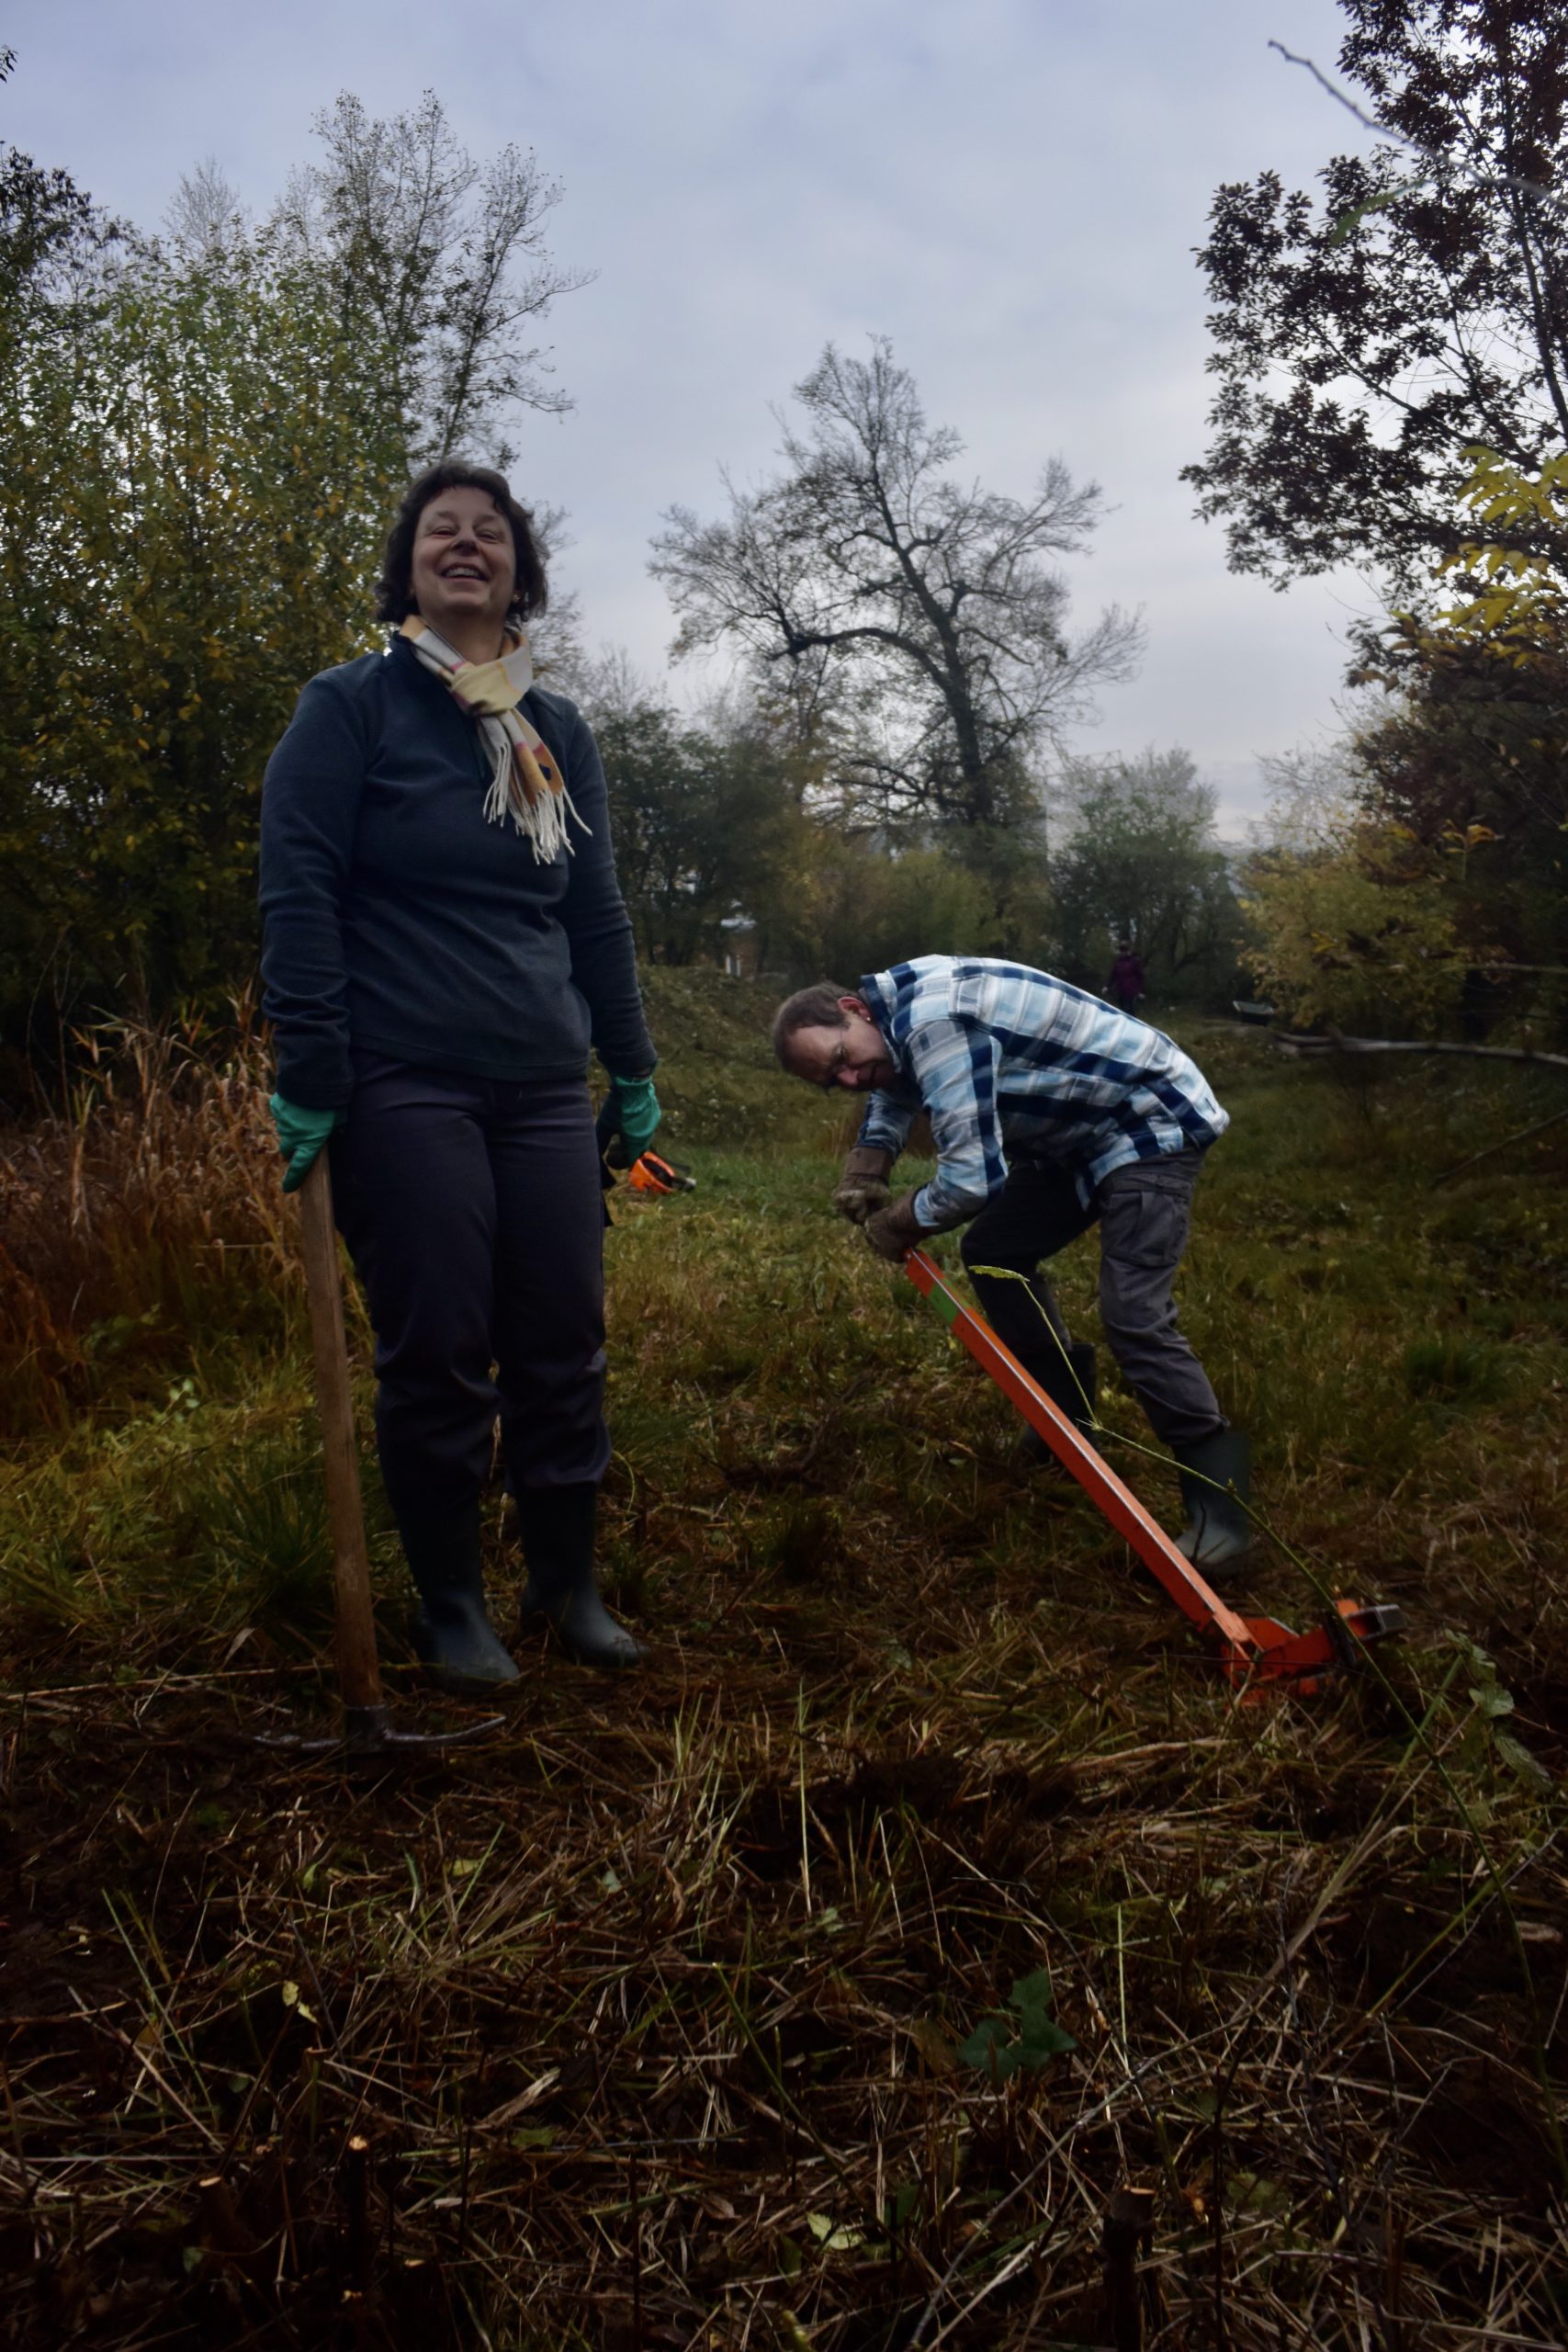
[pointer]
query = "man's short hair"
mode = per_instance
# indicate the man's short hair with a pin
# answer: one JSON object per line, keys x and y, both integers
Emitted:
{"x": 817, "y": 1007}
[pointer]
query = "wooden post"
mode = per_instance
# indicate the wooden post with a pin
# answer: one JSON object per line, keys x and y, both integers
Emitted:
{"x": 1129, "y": 2217}
{"x": 358, "y": 1669}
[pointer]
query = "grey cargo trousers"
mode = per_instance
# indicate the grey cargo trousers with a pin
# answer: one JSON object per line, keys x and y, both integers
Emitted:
{"x": 1143, "y": 1211}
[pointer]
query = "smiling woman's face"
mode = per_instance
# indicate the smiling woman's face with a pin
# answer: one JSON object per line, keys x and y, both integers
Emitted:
{"x": 465, "y": 567}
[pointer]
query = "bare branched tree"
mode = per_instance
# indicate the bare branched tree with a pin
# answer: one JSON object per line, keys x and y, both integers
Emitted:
{"x": 447, "y": 260}
{"x": 925, "y": 607}
{"x": 206, "y": 212}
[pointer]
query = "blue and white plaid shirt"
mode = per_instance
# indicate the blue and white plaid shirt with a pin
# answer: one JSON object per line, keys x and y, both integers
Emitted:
{"x": 1004, "y": 1059}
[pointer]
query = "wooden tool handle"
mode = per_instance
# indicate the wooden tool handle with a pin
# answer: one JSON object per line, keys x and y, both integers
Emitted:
{"x": 359, "y": 1671}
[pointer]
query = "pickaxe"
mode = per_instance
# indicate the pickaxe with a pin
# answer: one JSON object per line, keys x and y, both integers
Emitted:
{"x": 365, "y": 1732}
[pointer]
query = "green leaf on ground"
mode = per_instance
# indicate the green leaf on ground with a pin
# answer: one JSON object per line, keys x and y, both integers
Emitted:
{"x": 1001, "y": 2046}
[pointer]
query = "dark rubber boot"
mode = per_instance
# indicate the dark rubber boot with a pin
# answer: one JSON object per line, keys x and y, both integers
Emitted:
{"x": 1074, "y": 1390}
{"x": 1215, "y": 1483}
{"x": 460, "y": 1649}
{"x": 557, "y": 1527}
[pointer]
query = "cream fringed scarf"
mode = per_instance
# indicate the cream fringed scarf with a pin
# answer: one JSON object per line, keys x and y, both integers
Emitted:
{"x": 524, "y": 779}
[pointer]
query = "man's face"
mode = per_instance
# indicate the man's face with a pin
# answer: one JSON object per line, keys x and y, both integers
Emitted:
{"x": 854, "y": 1056}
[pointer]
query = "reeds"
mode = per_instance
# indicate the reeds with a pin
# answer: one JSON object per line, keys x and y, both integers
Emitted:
{"x": 141, "y": 1225}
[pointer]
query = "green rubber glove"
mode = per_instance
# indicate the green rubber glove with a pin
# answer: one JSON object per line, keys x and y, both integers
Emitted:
{"x": 300, "y": 1135}
{"x": 636, "y": 1113}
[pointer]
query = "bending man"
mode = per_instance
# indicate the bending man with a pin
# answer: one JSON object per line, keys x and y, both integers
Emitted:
{"x": 1050, "y": 1112}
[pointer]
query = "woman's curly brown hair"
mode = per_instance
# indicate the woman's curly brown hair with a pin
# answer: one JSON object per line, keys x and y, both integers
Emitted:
{"x": 394, "y": 599}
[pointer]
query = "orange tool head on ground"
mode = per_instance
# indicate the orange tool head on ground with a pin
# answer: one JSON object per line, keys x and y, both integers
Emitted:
{"x": 653, "y": 1173}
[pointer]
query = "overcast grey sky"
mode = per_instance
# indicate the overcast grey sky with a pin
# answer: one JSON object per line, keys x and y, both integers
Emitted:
{"x": 1010, "y": 189}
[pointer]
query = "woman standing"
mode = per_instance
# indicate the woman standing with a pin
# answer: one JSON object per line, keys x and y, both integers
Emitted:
{"x": 444, "y": 939}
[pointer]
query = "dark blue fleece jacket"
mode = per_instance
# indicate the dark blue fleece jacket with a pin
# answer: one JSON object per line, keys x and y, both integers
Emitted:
{"x": 396, "y": 918}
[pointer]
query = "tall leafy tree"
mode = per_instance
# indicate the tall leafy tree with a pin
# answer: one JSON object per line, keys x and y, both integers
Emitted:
{"x": 1420, "y": 304}
{"x": 708, "y": 827}
{"x": 1352, "y": 920}
{"x": 923, "y": 617}
{"x": 1140, "y": 862}
{"x": 195, "y": 469}
{"x": 52, "y": 237}
{"x": 1473, "y": 751}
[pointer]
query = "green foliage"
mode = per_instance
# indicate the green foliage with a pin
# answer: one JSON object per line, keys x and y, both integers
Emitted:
{"x": 260, "y": 1526}
{"x": 1141, "y": 862}
{"x": 1362, "y": 338}
{"x": 1392, "y": 391}
{"x": 200, "y": 443}
{"x": 722, "y": 845}
{"x": 1470, "y": 763}
{"x": 1023, "y": 2041}
{"x": 1519, "y": 567}
{"x": 1456, "y": 1368}
{"x": 1494, "y": 1704}
{"x": 707, "y": 826}
{"x": 50, "y": 235}
{"x": 194, "y": 466}
{"x": 1362, "y": 927}
{"x": 867, "y": 910}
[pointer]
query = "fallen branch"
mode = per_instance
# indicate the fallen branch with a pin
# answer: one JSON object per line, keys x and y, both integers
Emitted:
{"x": 1333, "y": 1042}
{"x": 1521, "y": 1135}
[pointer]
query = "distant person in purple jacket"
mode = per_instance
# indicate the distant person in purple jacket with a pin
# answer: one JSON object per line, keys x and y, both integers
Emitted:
{"x": 1127, "y": 982}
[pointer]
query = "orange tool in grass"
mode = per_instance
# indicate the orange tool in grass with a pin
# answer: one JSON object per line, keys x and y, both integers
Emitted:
{"x": 651, "y": 1172}
{"x": 1252, "y": 1649}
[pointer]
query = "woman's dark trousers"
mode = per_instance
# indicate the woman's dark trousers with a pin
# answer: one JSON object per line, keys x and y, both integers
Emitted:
{"x": 1143, "y": 1211}
{"x": 472, "y": 1210}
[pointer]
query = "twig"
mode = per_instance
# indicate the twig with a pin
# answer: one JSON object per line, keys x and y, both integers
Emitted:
{"x": 318, "y": 1997}
{"x": 1367, "y": 121}
{"x": 1523, "y": 1136}
{"x": 1432, "y": 155}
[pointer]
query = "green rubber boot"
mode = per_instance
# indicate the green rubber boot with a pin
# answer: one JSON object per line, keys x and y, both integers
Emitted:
{"x": 1217, "y": 1482}
{"x": 557, "y": 1527}
{"x": 459, "y": 1646}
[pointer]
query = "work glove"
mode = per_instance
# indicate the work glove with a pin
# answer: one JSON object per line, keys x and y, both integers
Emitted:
{"x": 863, "y": 1187}
{"x": 635, "y": 1114}
{"x": 300, "y": 1135}
{"x": 894, "y": 1232}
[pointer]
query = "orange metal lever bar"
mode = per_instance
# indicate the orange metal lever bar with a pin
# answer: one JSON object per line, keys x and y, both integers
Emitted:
{"x": 1249, "y": 1645}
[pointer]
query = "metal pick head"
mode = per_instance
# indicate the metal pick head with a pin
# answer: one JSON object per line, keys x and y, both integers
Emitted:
{"x": 368, "y": 1732}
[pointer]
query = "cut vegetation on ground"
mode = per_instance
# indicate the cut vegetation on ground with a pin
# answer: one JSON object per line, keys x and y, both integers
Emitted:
{"x": 823, "y": 1984}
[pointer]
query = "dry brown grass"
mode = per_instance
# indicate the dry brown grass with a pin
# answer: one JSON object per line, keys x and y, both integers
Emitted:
{"x": 648, "y": 2018}
{"x": 645, "y": 2024}
{"x": 146, "y": 1218}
